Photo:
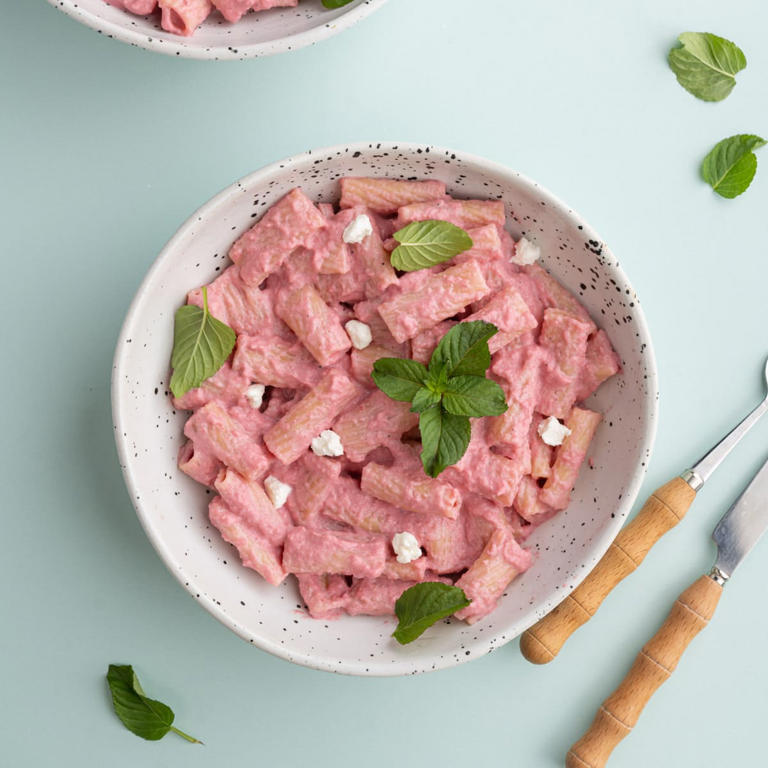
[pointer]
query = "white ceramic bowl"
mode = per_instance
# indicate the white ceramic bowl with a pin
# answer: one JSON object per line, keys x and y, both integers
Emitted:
{"x": 256, "y": 34}
{"x": 172, "y": 507}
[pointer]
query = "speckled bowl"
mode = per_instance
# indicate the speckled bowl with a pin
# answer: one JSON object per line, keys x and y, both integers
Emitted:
{"x": 172, "y": 507}
{"x": 256, "y": 34}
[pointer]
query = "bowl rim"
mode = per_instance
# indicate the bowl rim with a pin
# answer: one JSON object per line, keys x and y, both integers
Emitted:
{"x": 186, "y": 47}
{"x": 599, "y": 545}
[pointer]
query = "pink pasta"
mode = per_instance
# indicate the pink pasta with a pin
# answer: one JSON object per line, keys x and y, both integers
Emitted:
{"x": 315, "y": 471}
{"x": 183, "y": 17}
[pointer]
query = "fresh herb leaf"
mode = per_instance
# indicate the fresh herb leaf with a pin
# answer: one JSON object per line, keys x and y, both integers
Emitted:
{"x": 730, "y": 167}
{"x": 426, "y": 243}
{"x": 422, "y": 605}
{"x": 473, "y": 396}
{"x": 464, "y": 349}
{"x": 705, "y": 64}
{"x": 335, "y": 3}
{"x": 399, "y": 379}
{"x": 201, "y": 345}
{"x": 425, "y": 398}
{"x": 141, "y": 715}
{"x": 444, "y": 439}
{"x": 448, "y": 393}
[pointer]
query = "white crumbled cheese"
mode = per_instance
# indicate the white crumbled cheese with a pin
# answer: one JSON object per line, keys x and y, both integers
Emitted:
{"x": 277, "y": 491}
{"x": 553, "y": 432}
{"x": 359, "y": 333}
{"x": 255, "y": 395}
{"x": 526, "y": 252}
{"x": 357, "y": 229}
{"x": 327, "y": 443}
{"x": 406, "y": 547}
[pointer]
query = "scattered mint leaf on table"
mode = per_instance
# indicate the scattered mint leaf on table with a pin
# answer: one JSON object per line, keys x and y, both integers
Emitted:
{"x": 446, "y": 394}
{"x": 335, "y": 3}
{"x": 141, "y": 715}
{"x": 706, "y": 65}
{"x": 422, "y": 605}
{"x": 201, "y": 345}
{"x": 426, "y": 243}
{"x": 730, "y": 166}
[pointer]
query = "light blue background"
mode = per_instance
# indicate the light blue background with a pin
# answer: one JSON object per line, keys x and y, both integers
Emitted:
{"x": 105, "y": 151}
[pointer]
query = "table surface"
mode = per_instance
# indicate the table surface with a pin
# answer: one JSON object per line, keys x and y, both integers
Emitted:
{"x": 107, "y": 149}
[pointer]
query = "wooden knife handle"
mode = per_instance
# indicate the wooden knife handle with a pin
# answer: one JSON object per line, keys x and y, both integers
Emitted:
{"x": 653, "y": 665}
{"x": 663, "y": 510}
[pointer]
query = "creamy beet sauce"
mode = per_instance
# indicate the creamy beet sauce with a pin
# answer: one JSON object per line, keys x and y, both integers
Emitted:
{"x": 291, "y": 287}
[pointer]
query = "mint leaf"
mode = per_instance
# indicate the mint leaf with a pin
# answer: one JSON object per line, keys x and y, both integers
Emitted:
{"x": 425, "y": 398}
{"x": 201, "y": 345}
{"x": 399, "y": 379}
{"x": 426, "y": 243}
{"x": 705, "y": 64}
{"x": 464, "y": 349}
{"x": 730, "y": 167}
{"x": 444, "y": 439}
{"x": 473, "y": 396}
{"x": 422, "y": 605}
{"x": 335, "y": 3}
{"x": 141, "y": 715}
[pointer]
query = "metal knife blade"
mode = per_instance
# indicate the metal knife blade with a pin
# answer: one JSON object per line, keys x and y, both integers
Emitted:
{"x": 742, "y": 525}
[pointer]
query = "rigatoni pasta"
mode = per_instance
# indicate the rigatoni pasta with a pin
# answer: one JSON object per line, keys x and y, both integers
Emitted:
{"x": 295, "y": 411}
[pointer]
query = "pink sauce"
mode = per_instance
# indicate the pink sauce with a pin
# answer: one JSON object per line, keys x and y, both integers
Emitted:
{"x": 293, "y": 286}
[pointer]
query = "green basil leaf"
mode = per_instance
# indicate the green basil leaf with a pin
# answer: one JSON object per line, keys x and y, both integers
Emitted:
{"x": 426, "y": 243}
{"x": 473, "y": 396}
{"x": 141, "y": 715}
{"x": 422, "y": 605}
{"x": 425, "y": 398}
{"x": 730, "y": 166}
{"x": 201, "y": 345}
{"x": 399, "y": 379}
{"x": 444, "y": 439}
{"x": 705, "y": 64}
{"x": 463, "y": 351}
{"x": 335, "y": 3}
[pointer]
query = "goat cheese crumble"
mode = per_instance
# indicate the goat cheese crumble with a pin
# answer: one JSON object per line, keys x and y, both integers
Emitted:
{"x": 552, "y": 431}
{"x": 327, "y": 443}
{"x": 255, "y": 395}
{"x": 357, "y": 229}
{"x": 526, "y": 252}
{"x": 277, "y": 491}
{"x": 359, "y": 333}
{"x": 406, "y": 547}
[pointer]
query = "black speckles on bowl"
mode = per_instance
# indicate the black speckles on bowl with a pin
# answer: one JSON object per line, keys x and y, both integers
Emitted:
{"x": 256, "y": 34}
{"x": 172, "y": 508}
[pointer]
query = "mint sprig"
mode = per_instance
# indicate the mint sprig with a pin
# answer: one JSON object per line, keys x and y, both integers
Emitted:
{"x": 141, "y": 715}
{"x": 731, "y": 165}
{"x": 399, "y": 379}
{"x": 422, "y": 605}
{"x": 706, "y": 65}
{"x": 444, "y": 439}
{"x": 201, "y": 345}
{"x": 447, "y": 393}
{"x": 473, "y": 396}
{"x": 426, "y": 243}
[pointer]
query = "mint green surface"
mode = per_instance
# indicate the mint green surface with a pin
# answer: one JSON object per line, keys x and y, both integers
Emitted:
{"x": 106, "y": 149}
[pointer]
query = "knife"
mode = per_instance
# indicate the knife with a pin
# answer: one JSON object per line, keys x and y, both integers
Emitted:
{"x": 661, "y": 512}
{"x": 735, "y": 535}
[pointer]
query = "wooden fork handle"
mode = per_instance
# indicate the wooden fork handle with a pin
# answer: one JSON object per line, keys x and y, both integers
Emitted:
{"x": 663, "y": 510}
{"x": 653, "y": 666}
